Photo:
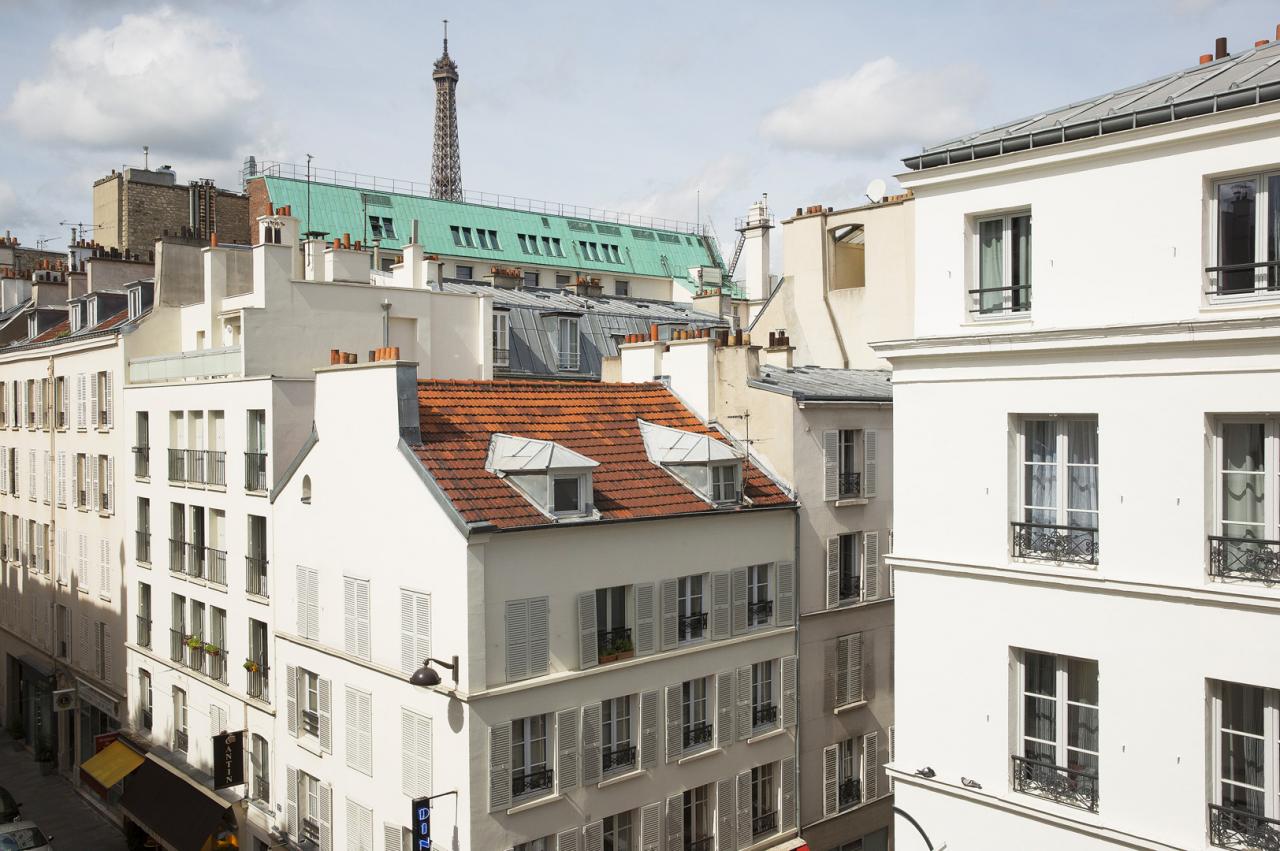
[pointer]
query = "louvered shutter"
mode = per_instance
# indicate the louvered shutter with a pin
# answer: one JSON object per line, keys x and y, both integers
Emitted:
{"x": 422, "y": 624}
{"x": 645, "y": 624}
{"x": 788, "y": 814}
{"x": 588, "y": 652}
{"x": 870, "y": 565}
{"x": 392, "y": 837}
{"x": 853, "y": 665}
{"x": 15, "y": 476}
{"x": 784, "y": 613}
{"x": 651, "y": 827}
{"x": 539, "y": 636}
{"x": 358, "y": 710}
{"x": 32, "y": 473}
{"x": 830, "y": 780}
{"x": 111, "y": 485}
{"x": 566, "y": 750}
{"x": 648, "y": 729}
{"x": 66, "y": 400}
{"x": 22, "y": 405}
{"x": 409, "y": 660}
{"x": 326, "y": 817}
{"x": 591, "y": 766}
{"x": 415, "y": 757}
{"x": 674, "y": 707}
{"x": 324, "y": 689}
{"x": 359, "y": 827}
{"x": 742, "y": 719}
{"x": 567, "y": 840}
{"x": 499, "y": 767}
{"x": 291, "y": 699}
{"x": 833, "y": 571}
{"x": 744, "y": 809}
{"x": 313, "y": 603}
{"x": 351, "y": 616}
{"x": 675, "y": 822}
{"x": 517, "y": 640}
{"x": 104, "y": 568}
{"x": 726, "y": 816}
{"x": 893, "y": 753}
{"x": 217, "y": 718}
{"x": 93, "y": 401}
{"x": 63, "y": 575}
{"x": 670, "y": 613}
{"x": 108, "y": 405}
{"x": 739, "y": 600}
{"x": 62, "y": 478}
{"x": 40, "y": 403}
{"x": 870, "y": 461}
{"x": 46, "y": 469}
{"x": 593, "y": 837}
{"x": 871, "y": 759}
{"x": 83, "y": 564}
{"x": 291, "y": 781}
{"x": 303, "y": 616}
{"x": 789, "y": 671}
{"x": 4, "y": 470}
{"x": 720, "y": 608}
{"x": 724, "y": 709}
{"x": 831, "y": 465}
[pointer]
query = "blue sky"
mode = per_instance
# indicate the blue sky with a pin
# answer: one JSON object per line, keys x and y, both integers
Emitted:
{"x": 630, "y": 106}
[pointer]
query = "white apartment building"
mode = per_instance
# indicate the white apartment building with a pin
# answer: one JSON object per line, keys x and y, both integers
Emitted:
{"x": 1086, "y": 539}
{"x": 603, "y": 585}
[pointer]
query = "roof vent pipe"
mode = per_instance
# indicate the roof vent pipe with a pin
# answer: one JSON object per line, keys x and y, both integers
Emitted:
{"x": 1220, "y": 47}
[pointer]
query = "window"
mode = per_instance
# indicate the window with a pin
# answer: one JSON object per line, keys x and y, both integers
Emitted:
{"x": 142, "y": 445}
{"x": 178, "y": 626}
{"x": 545, "y": 843}
{"x": 849, "y": 565}
{"x": 698, "y": 827}
{"x": 759, "y": 603}
{"x": 62, "y": 627}
{"x": 257, "y": 668}
{"x": 144, "y": 615}
{"x": 528, "y": 245}
{"x": 60, "y": 401}
{"x": 618, "y": 750}
{"x": 179, "y": 720}
{"x": 567, "y": 343}
{"x": 563, "y": 280}
{"x": 690, "y": 608}
{"x": 256, "y": 557}
{"x": 93, "y": 312}
{"x": 1003, "y": 272}
{"x": 764, "y": 808}
{"x": 612, "y": 633}
{"x": 355, "y": 616}
{"x": 845, "y": 656}
{"x": 145, "y": 698}
{"x": 622, "y": 288}
{"x": 260, "y": 759}
{"x": 488, "y": 239}
{"x": 850, "y": 470}
{"x": 848, "y": 774}
{"x": 764, "y": 710}
{"x": 695, "y": 727}
{"x": 552, "y": 247}
{"x": 1246, "y": 545}
{"x": 1246, "y": 238}
{"x": 566, "y": 495}
{"x": 531, "y": 278}
{"x": 1059, "y": 489}
{"x": 309, "y": 703}
{"x": 530, "y": 773}
{"x": 725, "y": 482}
{"x": 381, "y": 227}
{"x": 1059, "y": 729}
{"x": 309, "y": 815}
{"x": 501, "y": 339}
{"x": 617, "y": 833}
{"x": 102, "y": 649}
{"x": 1244, "y": 744}
{"x": 463, "y": 273}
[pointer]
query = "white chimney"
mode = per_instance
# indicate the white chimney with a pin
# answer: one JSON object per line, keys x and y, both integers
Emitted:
{"x": 755, "y": 250}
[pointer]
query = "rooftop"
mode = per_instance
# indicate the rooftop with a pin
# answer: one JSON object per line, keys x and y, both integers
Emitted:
{"x": 598, "y": 421}
{"x": 1244, "y": 79}
{"x": 819, "y": 384}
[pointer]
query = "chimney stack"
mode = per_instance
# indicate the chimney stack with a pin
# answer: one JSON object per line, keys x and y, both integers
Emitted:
{"x": 1220, "y": 47}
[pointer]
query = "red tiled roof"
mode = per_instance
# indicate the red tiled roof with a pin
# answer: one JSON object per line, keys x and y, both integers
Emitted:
{"x": 598, "y": 420}
{"x": 61, "y": 328}
{"x": 113, "y": 320}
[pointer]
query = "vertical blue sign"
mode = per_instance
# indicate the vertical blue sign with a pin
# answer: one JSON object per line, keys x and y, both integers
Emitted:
{"x": 422, "y": 824}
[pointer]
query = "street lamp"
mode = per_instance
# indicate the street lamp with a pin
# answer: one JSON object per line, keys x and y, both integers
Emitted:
{"x": 427, "y": 676}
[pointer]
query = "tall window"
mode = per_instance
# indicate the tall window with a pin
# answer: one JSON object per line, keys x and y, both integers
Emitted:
{"x": 850, "y": 464}
{"x": 179, "y": 720}
{"x": 622, "y": 288}
{"x": 848, "y": 774}
{"x": 1003, "y": 273}
{"x": 1246, "y": 238}
{"x": 1059, "y": 729}
{"x": 309, "y": 809}
{"x": 463, "y": 273}
{"x": 849, "y": 557}
{"x": 531, "y": 278}
{"x": 260, "y": 756}
{"x": 612, "y": 632}
{"x": 764, "y": 796}
{"x": 617, "y": 746}
{"x": 309, "y": 703}
{"x": 144, "y": 615}
{"x": 501, "y": 339}
{"x": 530, "y": 771}
{"x": 691, "y": 607}
{"x": 567, "y": 343}
{"x": 145, "y": 698}
{"x": 1244, "y": 803}
{"x": 759, "y": 603}
{"x": 1059, "y": 487}
{"x": 764, "y": 711}
{"x": 617, "y": 833}
{"x": 693, "y": 713}
{"x": 698, "y": 827}
{"x": 1247, "y": 542}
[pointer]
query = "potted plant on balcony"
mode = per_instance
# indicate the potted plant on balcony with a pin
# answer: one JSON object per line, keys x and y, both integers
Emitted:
{"x": 608, "y": 652}
{"x": 195, "y": 642}
{"x": 623, "y": 648}
{"x": 251, "y": 665}
{"x": 212, "y": 649}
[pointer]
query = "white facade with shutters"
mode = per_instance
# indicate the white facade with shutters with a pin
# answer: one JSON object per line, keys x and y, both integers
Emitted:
{"x": 516, "y": 749}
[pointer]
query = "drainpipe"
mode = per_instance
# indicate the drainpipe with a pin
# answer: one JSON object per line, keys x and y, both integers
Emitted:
{"x": 386, "y": 322}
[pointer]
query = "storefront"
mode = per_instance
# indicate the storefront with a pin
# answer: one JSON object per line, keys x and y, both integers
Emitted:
{"x": 164, "y": 808}
{"x": 30, "y": 705}
{"x": 97, "y": 713}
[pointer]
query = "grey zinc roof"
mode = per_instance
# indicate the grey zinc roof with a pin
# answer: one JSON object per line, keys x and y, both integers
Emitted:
{"x": 602, "y": 320}
{"x": 1243, "y": 79}
{"x": 819, "y": 384}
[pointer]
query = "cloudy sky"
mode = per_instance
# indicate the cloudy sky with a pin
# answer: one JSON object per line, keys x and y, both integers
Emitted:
{"x": 630, "y": 106}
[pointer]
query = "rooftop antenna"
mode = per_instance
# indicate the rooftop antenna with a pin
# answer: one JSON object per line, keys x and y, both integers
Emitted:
{"x": 146, "y": 158}
{"x": 875, "y": 191}
{"x": 309, "y": 234}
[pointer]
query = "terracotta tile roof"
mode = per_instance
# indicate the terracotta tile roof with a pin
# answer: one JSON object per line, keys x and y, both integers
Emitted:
{"x": 62, "y": 327}
{"x": 113, "y": 320}
{"x": 598, "y": 420}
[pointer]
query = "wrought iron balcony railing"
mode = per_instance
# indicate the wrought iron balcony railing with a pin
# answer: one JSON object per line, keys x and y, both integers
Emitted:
{"x": 1254, "y": 559}
{"x": 850, "y": 485}
{"x": 215, "y": 467}
{"x": 310, "y": 722}
{"x": 1242, "y": 830}
{"x": 177, "y": 555}
{"x": 759, "y": 612}
{"x": 218, "y": 666}
{"x": 1070, "y": 786}
{"x": 144, "y": 631}
{"x": 195, "y": 658}
{"x": 177, "y": 645}
{"x": 765, "y": 714}
{"x": 702, "y": 843}
{"x": 255, "y": 471}
{"x": 196, "y": 563}
{"x": 256, "y": 682}
{"x": 850, "y": 792}
{"x": 850, "y": 587}
{"x": 142, "y": 462}
{"x": 501, "y": 357}
{"x": 180, "y": 740}
{"x": 216, "y": 563}
{"x": 1244, "y": 278}
{"x": 255, "y": 580}
{"x": 528, "y": 782}
{"x": 692, "y": 626}
{"x": 198, "y": 466}
{"x": 696, "y": 734}
{"x": 992, "y": 300}
{"x": 177, "y": 465}
{"x": 619, "y": 757}
{"x": 611, "y": 642}
{"x": 764, "y": 823}
{"x": 1044, "y": 542}
{"x": 143, "y": 546}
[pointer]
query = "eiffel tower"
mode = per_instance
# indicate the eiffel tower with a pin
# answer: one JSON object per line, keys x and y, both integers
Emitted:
{"x": 446, "y": 158}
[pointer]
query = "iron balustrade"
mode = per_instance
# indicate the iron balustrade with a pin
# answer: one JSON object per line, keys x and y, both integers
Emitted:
{"x": 216, "y": 561}
{"x": 144, "y": 631}
{"x": 850, "y": 485}
{"x": 196, "y": 561}
{"x": 764, "y": 714}
{"x": 143, "y": 546}
{"x": 142, "y": 462}
{"x": 692, "y": 626}
{"x": 177, "y": 646}
{"x": 764, "y": 823}
{"x": 1242, "y": 830}
{"x": 1255, "y": 559}
{"x": 180, "y": 740}
{"x": 619, "y": 757}
{"x": 1046, "y": 542}
{"x": 218, "y": 666}
{"x": 502, "y": 357}
{"x": 1242, "y": 278}
{"x": 255, "y": 581}
{"x": 759, "y": 612}
{"x": 255, "y": 471}
{"x": 195, "y": 658}
{"x": 177, "y": 555}
{"x": 849, "y": 792}
{"x": 614, "y": 641}
{"x": 61, "y": 419}
{"x": 215, "y": 461}
{"x": 256, "y": 681}
{"x": 702, "y": 843}
{"x": 850, "y": 587}
{"x": 195, "y": 466}
{"x": 534, "y": 780}
{"x": 177, "y": 465}
{"x": 1019, "y": 300}
{"x": 198, "y": 466}
{"x": 697, "y": 733}
{"x": 310, "y": 832}
{"x": 1071, "y": 786}
{"x": 310, "y": 722}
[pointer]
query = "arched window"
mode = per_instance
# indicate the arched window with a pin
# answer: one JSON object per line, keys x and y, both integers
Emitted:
{"x": 306, "y": 490}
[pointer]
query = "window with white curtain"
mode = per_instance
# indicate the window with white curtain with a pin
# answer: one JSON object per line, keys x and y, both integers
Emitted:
{"x": 1246, "y": 539}
{"x": 1244, "y": 747}
{"x": 1058, "y": 728}
{"x": 530, "y": 769}
{"x": 1058, "y": 490}
{"x": 1245, "y": 236}
{"x": 1002, "y": 275}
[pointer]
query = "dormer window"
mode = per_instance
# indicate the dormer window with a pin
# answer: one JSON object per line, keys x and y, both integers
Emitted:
{"x": 75, "y": 317}
{"x": 135, "y": 302}
{"x": 566, "y": 494}
{"x": 725, "y": 480}
{"x": 710, "y": 468}
{"x": 551, "y": 476}
{"x": 93, "y": 312}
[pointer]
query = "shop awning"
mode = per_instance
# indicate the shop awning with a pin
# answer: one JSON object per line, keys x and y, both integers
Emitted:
{"x": 171, "y": 807}
{"x": 112, "y": 764}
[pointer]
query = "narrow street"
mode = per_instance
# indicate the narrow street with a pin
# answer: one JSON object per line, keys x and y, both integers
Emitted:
{"x": 54, "y": 805}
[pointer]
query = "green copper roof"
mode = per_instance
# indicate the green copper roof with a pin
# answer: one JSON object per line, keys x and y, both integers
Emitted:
{"x": 653, "y": 252}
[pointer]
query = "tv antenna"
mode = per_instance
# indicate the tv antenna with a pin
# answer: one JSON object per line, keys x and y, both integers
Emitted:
{"x": 80, "y": 227}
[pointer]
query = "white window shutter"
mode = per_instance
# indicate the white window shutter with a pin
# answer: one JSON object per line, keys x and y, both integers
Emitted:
{"x": 62, "y": 478}
{"x": 326, "y": 817}
{"x": 831, "y": 465}
{"x": 313, "y": 603}
{"x": 291, "y": 699}
{"x": 324, "y": 690}
{"x": 359, "y": 721}
{"x": 651, "y": 827}
{"x": 784, "y": 613}
{"x": 93, "y": 400}
{"x": 674, "y": 707}
{"x": 593, "y": 837}
{"x": 871, "y": 763}
{"x": 788, "y": 807}
{"x": 415, "y": 756}
{"x": 675, "y": 822}
{"x": 648, "y": 730}
{"x": 66, "y": 400}
{"x": 588, "y": 652}
{"x": 591, "y": 767}
{"x": 854, "y": 645}
{"x": 893, "y": 753}
{"x": 720, "y": 608}
{"x": 833, "y": 571}
{"x": 870, "y": 461}
{"x": 539, "y": 636}
{"x": 291, "y": 782}
{"x": 392, "y": 837}
{"x": 744, "y": 809}
{"x": 359, "y": 827}
{"x": 349, "y": 626}
{"x": 108, "y": 405}
{"x": 670, "y": 615}
{"x": 46, "y": 470}
{"x": 566, "y": 750}
{"x": 645, "y": 624}
{"x": 422, "y": 625}
{"x": 724, "y": 709}
{"x": 499, "y": 767}
{"x": 32, "y": 473}
{"x": 739, "y": 600}
{"x": 517, "y": 639}
{"x": 790, "y": 665}
{"x": 742, "y": 720}
{"x": 111, "y": 485}
{"x": 104, "y": 568}
{"x": 567, "y": 840}
{"x": 870, "y": 565}
{"x": 830, "y": 780}
{"x": 409, "y": 660}
{"x": 726, "y": 815}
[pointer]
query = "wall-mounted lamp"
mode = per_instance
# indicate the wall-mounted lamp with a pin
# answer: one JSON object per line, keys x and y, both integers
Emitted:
{"x": 970, "y": 784}
{"x": 927, "y": 773}
{"x": 427, "y": 676}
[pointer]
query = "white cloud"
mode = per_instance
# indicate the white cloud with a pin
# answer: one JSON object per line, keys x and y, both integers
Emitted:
{"x": 177, "y": 82}
{"x": 880, "y": 109}
{"x": 680, "y": 201}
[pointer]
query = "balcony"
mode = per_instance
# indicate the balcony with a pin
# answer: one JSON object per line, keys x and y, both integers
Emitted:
{"x": 196, "y": 561}
{"x": 177, "y": 646}
{"x": 196, "y": 656}
{"x": 177, "y": 556}
{"x": 697, "y": 734}
{"x": 614, "y": 644}
{"x": 255, "y": 471}
{"x": 1070, "y": 786}
{"x": 180, "y": 741}
{"x": 849, "y": 792}
{"x": 216, "y": 563}
{"x": 528, "y": 782}
{"x": 215, "y": 467}
{"x": 703, "y": 843}
{"x": 1242, "y": 830}
{"x": 144, "y": 631}
{"x": 999, "y": 301}
{"x": 142, "y": 462}
{"x": 208, "y": 363}
{"x": 255, "y": 580}
{"x": 256, "y": 681}
{"x": 764, "y": 715}
{"x": 218, "y": 666}
{"x": 759, "y": 612}
{"x": 692, "y": 626}
{"x": 143, "y": 546}
{"x": 501, "y": 358}
{"x": 1243, "y": 279}
{"x": 764, "y": 823}
{"x": 198, "y": 467}
{"x": 1252, "y": 559}
{"x": 850, "y": 485}
{"x": 850, "y": 587}
{"x": 623, "y": 756}
{"x": 1043, "y": 542}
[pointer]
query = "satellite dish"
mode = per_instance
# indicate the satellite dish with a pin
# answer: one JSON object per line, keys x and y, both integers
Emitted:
{"x": 875, "y": 191}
